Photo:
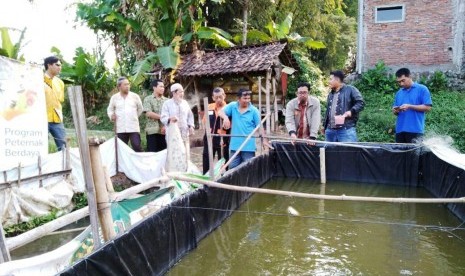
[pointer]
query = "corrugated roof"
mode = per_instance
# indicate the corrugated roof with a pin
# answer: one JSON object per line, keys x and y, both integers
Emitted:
{"x": 236, "y": 60}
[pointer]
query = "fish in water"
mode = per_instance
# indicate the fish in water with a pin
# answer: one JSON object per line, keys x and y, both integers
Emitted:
{"x": 292, "y": 211}
{"x": 176, "y": 157}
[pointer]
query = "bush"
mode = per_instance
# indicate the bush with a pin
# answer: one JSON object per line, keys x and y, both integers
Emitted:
{"x": 377, "y": 80}
{"x": 436, "y": 82}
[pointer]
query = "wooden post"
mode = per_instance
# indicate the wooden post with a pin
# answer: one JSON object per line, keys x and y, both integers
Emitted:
{"x": 4, "y": 252}
{"x": 77, "y": 108}
{"x": 268, "y": 109}
{"x": 39, "y": 166}
{"x": 209, "y": 138}
{"x": 323, "y": 165}
{"x": 196, "y": 91}
{"x": 275, "y": 103}
{"x": 19, "y": 174}
{"x": 101, "y": 193}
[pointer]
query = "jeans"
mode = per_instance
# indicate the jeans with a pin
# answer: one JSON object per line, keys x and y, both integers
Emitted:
{"x": 240, "y": 158}
{"x": 134, "y": 137}
{"x": 156, "y": 142}
{"x": 341, "y": 135}
{"x": 58, "y": 133}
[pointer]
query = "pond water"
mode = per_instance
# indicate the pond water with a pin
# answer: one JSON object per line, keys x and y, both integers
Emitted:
{"x": 331, "y": 237}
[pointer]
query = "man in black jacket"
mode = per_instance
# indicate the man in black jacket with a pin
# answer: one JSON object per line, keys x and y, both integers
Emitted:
{"x": 344, "y": 104}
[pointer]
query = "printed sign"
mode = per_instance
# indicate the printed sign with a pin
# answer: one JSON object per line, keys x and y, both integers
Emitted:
{"x": 23, "y": 116}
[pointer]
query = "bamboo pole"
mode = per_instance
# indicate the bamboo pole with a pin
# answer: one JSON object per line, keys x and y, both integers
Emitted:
{"x": 275, "y": 106}
{"x": 77, "y": 108}
{"x": 223, "y": 168}
{"x": 268, "y": 108}
{"x": 208, "y": 133}
{"x": 116, "y": 148}
{"x": 45, "y": 229}
{"x": 260, "y": 107}
{"x": 4, "y": 252}
{"x": 197, "y": 97}
{"x": 27, "y": 179}
{"x": 101, "y": 193}
{"x": 108, "y": 182}
{"x": 314, "y": 196}
{"x": 323, "y": 165}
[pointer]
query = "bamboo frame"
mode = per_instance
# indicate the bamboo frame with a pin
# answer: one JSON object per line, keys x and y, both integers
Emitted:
{"x": 314, "y": 196}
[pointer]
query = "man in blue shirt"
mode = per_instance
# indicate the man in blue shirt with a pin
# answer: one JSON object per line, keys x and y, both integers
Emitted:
{"x": 411, "y": 103}
{"x": 245, "y": 118}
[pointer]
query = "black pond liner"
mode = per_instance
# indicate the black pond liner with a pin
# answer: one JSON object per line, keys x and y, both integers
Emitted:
{"x": 155, "y": 244}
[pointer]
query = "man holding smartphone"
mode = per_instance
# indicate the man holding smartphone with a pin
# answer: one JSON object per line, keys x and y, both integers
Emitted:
{"x": 411, "y": 103}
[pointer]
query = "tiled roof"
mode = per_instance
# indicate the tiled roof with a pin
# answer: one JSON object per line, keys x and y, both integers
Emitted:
{"x": 237, "y": 60}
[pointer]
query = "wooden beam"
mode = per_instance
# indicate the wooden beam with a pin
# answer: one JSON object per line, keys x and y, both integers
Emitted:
{"x": 101, "y": 192}
{"x": 77, "y": 108}
{"x": 209, "y": 137}
{"x": 268, "y": 108}
{"x": 31, "y": 178}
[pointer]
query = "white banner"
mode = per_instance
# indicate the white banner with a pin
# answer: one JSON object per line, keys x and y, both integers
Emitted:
{"x": 23, "y": 116}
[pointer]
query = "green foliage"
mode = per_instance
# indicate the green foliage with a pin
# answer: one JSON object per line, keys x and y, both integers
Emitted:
{"x": 436, "y": 82}
{"x": 377, "y": 123}
{"x": 9, "y": 49}
{"x": 16, "y": 229}
{"x": 309, "y": 72}
{"x": 79, "y": 201}
{"x": 377, "y": 80}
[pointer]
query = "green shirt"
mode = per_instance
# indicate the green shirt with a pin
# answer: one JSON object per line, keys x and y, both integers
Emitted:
{"x": 153, "y": 104}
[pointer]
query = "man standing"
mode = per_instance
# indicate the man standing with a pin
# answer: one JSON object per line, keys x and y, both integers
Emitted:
{"x": 303, "y": 114}
{"x": 177, "y": 110}
{"x": 220, "y": 144}
{"x": 245, "y": 118}
{"x": 124, "y": 110}
{"x": 54, "y": 96}
{"x": 178, "y": 118}
{"x": 411, "y": 103}
{"x": 344, "y": 104}
{"x": 154, "y": 129}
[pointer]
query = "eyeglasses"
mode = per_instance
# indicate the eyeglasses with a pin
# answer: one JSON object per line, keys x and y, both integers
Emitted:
{"x": 302, "y": 92}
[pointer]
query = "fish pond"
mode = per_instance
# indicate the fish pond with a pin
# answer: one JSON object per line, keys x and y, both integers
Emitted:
{"x": 278, "y": 235}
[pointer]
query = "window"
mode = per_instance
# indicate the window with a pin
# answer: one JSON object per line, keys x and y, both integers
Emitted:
{"x": 385, "y": 14}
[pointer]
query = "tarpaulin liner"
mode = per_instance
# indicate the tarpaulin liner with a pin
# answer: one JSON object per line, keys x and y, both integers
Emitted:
{"x": 158, "y": 242}
{"x": 368, "y": 163}
{"x": 444, "y": 181}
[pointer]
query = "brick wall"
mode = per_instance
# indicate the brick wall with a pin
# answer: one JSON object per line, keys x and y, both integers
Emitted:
{"x": 423, "y": 41}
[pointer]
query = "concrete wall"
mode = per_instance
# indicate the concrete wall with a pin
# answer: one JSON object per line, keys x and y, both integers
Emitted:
{"x": 430, "y": 38}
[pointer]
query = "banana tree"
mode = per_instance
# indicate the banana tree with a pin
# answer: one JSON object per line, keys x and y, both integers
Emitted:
{"x": 9, "y": 49}
{"x": 280, "y": 31}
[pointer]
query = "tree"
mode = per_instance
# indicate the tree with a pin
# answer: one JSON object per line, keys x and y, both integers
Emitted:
{"x": 9, "y": 49}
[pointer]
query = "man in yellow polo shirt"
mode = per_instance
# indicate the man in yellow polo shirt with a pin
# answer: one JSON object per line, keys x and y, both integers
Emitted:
{"x": 54, "y": 96}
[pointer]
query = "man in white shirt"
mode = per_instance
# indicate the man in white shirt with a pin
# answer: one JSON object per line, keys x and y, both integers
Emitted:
{"x": 124, "y": 110}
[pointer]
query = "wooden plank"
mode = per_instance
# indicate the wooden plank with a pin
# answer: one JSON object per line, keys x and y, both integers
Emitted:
{"x": 77, "y": 107}
{"x": 268, "y": 108}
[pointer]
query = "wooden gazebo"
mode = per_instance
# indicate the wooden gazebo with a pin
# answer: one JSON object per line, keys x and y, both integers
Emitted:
{"x": 271, "y": 62}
